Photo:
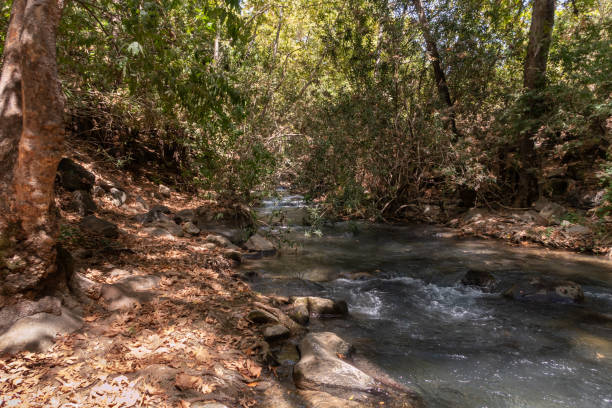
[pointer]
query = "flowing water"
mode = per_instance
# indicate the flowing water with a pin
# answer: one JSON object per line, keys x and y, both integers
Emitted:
{"x": 457, "y": 346}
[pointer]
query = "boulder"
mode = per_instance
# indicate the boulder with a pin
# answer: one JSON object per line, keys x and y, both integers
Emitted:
{"x": 73, "y": 176}
{"x": 221, "y": 241}
{"x": 129, "y": 292}
{"x": 258, "y": 243}
{"x": 118, "y": 197}
{"x": 299, "y": 311}
{"x": 546, "y": 290}
{"x": 157, "y": 213}
{"x": 96, "y": 226}
{"x": 482, "y": 279}
{"x": 82, "y": 203}
{"x": 321, "y": 367}
{"x": 25, "y": 308}
{"x": 549, "y": 210}
{"x": 164, "y": 191}
{"x": 84, "y": 287}
{"x": 190, "y": 228}
{"x": 319, "y": 306}
{"x": 276, "y": 332}
{"x": 38, "y": 332}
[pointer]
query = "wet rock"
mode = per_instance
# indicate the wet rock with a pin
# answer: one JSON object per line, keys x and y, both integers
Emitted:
{"x": 320, "y": 366}
{"x": 190, "y": 228}
{"x": 482, "y": 279}
{"x": 299, "y": 311}
{"x": 276, "y": 332}
{"x": 258, "y": 243}
{"x": 38, "y": 332}
{"x": 259, "y": 316}
{"x": 319, "y": 306}
{"x": 164, "y": 191}
{"x": 118, "y": 197}
{"x": 82, "y": 203}
{"x": 96, "y": 226}
{"x": 546, "y": 290}
{"x": 73, "y": 176}
{"x": 357, "y": 276}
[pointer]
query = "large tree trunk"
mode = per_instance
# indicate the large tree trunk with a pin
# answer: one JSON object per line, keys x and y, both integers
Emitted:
{"x": 436, "y": 62}
{"x": 534, "y": 81}
{"x": 31, "y": 135}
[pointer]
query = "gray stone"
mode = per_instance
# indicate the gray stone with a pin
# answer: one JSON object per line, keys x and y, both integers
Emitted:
{"x": 96, "y": 226}
{"x": 73, "y": 176}
{"x": 549, "y": 210}
{"x": 169, "y": 226}
{"x": 579, "y": 230}
{"x": 258, "y": 243}
{"x": 276, "y": 332}
{"x": 164, "y": 191}
{"x": 221, "y": 241}
{"x": 84, "y": 287}
{"x": 118, "y": 197}
{"x": 25, "y": 308}
{"x": 200, "y": 404}
{"x": 129, "y": 292}
{"x": 158, "y": 233}
{"x": 321, "y": 368}
{"x": 38, "y": 332}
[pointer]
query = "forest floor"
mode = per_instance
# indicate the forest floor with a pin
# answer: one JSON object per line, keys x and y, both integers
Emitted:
{"x": 183, "y": 342}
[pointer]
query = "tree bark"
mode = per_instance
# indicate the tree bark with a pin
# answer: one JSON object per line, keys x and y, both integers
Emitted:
{"x": 436, "y": 63}
{"x": 31, "y": 145}
{"x": 534, "y": 81}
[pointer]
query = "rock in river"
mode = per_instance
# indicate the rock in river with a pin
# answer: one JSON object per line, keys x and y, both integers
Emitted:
{"x": 482, "y": 279}
{"x": 546, "y": 290}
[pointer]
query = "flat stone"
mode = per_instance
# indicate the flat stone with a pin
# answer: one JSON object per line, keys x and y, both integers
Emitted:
{"x": 258, "y": 243}
{"x": 37, "y": 333}
{"x": 276, "y": 332}
{"x": 221, "y": 241}
{"x": 579, "y": 230}
{"x": 84, "y": 287}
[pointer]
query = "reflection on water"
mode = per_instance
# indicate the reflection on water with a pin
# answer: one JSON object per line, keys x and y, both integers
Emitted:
{"x": 458, "y": 346}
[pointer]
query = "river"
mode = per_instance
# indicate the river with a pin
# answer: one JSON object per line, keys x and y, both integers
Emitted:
{"x": 458, "y": 346}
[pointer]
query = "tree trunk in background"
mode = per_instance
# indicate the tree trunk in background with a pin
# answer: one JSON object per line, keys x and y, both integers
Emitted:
{"x": 31, "y": 135}
{"x": 436, "y": 62}
{"x": 534, "y": 81}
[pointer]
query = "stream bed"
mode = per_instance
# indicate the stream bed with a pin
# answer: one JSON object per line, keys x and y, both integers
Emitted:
{"x": 458, "y": 346}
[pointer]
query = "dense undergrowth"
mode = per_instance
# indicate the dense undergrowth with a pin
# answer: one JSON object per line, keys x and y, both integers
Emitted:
{"x": 338, "y": 98}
